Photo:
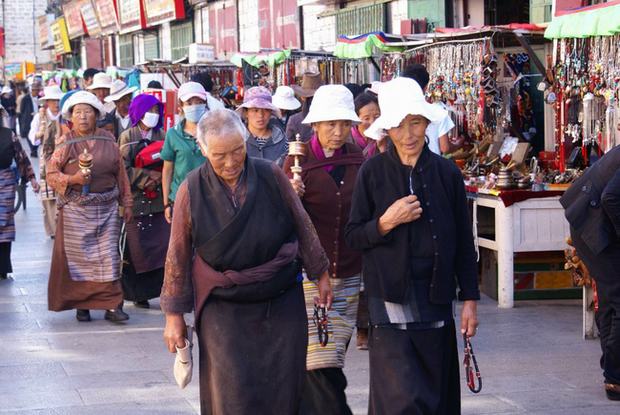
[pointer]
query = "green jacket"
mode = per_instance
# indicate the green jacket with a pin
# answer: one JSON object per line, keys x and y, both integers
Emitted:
{"x": 183, "y": 150}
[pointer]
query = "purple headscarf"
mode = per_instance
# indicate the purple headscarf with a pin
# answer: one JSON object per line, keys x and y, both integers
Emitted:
{"x": 140, "y": 105}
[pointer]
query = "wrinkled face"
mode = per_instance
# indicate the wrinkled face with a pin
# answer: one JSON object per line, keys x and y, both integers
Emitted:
{"x": 52, "y": 104}
{"x": 35, "y": 91}
{"x": 368, "y": 114}
{"x": 84, "y": 118}
{"x": 409, "y": 136}
{"x": 332, "y": 134}
{"x": 258, "y": 118}
{"x": 122, "y": 105}
{"x": 101, "y": 93}
{"x": 226, "y": 155}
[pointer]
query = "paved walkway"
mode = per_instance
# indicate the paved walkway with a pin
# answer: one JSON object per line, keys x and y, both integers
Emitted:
{"x": 532, "y": 358}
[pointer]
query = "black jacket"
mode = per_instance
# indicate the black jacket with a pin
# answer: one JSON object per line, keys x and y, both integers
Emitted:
{"x": 592, "y": 203}
{"x": 26, "y": 114}
{"x": 386, "y": 259}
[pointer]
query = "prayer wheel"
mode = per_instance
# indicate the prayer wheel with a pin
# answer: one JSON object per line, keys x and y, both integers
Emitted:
{"x": 297, "y": 149}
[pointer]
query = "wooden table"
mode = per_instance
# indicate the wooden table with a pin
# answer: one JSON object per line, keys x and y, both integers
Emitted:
{"x": 534, "y": 224}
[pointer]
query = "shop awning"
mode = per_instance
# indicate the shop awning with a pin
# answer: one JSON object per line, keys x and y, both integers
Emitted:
{"x": 256, "y": 60}
{"x": 363, "y": 46}
{"x": 603, "y": 20}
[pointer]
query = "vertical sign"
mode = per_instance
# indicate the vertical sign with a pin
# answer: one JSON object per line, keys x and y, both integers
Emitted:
{"x": 106, "y": 14}
{"x": 90, "y": 18}
{"x": 73, "y": 18}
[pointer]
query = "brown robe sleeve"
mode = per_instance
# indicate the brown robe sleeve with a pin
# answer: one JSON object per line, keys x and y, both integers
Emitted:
{"x": 177, "y": 294}
{"x": 125, "y": 199}
{"x": 54, "y": 175}
{"x": 24, "y": 167}
{"x": 310, "y": 249}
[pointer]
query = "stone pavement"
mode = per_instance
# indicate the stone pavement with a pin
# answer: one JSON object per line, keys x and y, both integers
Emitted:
{"x": 532, "y": 357}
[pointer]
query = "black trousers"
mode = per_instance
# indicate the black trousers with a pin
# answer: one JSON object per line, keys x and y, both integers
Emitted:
{"x": 414, "y": 372}
{"x": 605, "y": 269}
{"x": 5, "y": 258}
{"x": 324, "y": 393}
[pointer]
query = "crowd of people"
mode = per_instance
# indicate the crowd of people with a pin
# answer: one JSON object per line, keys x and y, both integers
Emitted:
{"x": 212, "y": 219}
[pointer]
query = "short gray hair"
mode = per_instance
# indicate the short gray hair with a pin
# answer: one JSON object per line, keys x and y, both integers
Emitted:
{"x": 220, "y": 122}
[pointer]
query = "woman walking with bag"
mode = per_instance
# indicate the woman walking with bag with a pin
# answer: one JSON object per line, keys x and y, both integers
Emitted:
{"x": 148, "y": 233}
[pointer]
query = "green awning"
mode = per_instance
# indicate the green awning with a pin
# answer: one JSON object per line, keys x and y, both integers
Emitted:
{"x": 359, "y": 49}
{"x": 271, "y": 59}
{"x": 598, "y": 22}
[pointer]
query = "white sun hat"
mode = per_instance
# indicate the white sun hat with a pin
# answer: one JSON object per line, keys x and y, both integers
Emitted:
{"x": 6, "y": 90}
{"x": 191, "y": 89}
{"x": 331, "y": 103}
{"x": 397, "y": 99}
{"x": 284, "y": 98}
{"x": 82, "y": 97}
{"x": 52, "y": 92}
{"x": 101, "y": 80}
{"x": 118, "y": 90}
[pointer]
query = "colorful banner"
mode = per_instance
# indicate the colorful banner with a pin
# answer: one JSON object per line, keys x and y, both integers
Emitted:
{"x": 90, "y": 18}
{"x": 106, "y": 14}
{"x": 161, "y": 11}
{"x": 46, "y": 40}
{"x": 73, "y": 18}
{"x": 129, "y": 15}
{"x": 62, "y": 44}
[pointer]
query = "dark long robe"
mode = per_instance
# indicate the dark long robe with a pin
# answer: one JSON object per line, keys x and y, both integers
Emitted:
{"x": 263, "y": 373}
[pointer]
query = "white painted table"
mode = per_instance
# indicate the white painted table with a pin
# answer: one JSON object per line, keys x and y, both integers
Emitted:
{"x": 533, "y": 225}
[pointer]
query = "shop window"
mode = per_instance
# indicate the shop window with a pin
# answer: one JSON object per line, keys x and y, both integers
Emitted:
{"x": 359, "y": 20}
{"x": 151, "y": 47}
{"x": 540, "y": 11}
{"x": 180, "y": 38}
{"x": 125, "y": 46}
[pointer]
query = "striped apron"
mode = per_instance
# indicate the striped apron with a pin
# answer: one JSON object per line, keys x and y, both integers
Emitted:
{"x": 341, "y": 322}
{"x": 7, "y": 205}
{"x": 91, "y": 235}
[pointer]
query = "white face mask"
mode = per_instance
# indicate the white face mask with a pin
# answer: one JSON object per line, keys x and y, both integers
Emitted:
{"x": 150, "y": 119}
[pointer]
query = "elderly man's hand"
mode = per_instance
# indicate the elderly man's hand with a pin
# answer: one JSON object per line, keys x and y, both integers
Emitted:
{"x": 175, "y": 332}
{"x": 469, "y": 318}
{"x": 326, "y": 295}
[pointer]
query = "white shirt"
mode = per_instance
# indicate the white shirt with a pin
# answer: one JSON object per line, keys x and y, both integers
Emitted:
{"x": 437, "y": 129}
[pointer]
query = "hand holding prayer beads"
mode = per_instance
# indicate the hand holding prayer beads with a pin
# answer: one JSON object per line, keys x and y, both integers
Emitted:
{"x": 86, "y": 164}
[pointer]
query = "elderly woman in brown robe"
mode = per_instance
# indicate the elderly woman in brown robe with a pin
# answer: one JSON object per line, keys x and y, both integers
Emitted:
{"x": 328, "y": 176}
{"x": 238, "y": 231}
{"x": 85, "y": 268}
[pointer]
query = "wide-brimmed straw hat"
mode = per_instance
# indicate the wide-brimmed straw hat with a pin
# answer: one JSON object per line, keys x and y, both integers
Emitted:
{"x": 52, "y": 92}
{"x": 330, "y": 103}
{"x": 397, "y": 99}
{"x": 284, "y": 98}
{"x": 310, "y": 83}
{"x": 258, "y": 97}
{"x": 101, "y": 80}
{"x": 82, "y": 97}
{"x": 118, "y": 90}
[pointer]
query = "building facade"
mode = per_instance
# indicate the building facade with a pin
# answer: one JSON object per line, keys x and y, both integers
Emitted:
{"x": 20, "y": 42}
{"x": 126, "y": 32}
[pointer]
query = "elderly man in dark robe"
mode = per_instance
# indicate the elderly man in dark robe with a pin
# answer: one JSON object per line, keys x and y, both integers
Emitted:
{"x": 239, "y": 237}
